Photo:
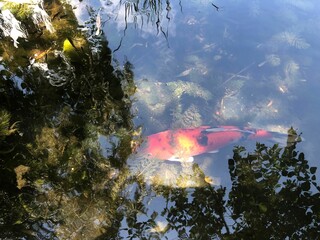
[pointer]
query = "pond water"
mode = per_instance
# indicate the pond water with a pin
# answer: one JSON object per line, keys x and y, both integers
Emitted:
{"x": 257, "y": 59}
{"x": 80, "y": 162}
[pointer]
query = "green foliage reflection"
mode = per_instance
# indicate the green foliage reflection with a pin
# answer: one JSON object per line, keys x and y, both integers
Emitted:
{"x": 274, "y": 193}
{"x": 62, "y": 91}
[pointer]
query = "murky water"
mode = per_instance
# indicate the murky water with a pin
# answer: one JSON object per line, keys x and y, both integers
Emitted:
{"x": 83, "y": 85}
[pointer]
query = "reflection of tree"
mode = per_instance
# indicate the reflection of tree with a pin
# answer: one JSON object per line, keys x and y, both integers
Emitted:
{"x": 274, "y": 195}
{"x": 63, "y": 92}
{"x": 146, "y": 11}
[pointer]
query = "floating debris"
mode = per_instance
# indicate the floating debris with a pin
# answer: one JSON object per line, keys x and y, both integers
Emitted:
{"x": 20, "y": 171}
{"x": 237, "y": 75}
{"x": 209, "y": 47}
{"x": 186, "y": 72}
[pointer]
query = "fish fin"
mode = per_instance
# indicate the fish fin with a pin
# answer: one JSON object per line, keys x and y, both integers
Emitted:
{"x": 228, "y": 129}
{"x": 176, "y": 159}
{"x": 190, "y": 159}
{"x": 217, "y": 129}
{"x": 214, "y": 151}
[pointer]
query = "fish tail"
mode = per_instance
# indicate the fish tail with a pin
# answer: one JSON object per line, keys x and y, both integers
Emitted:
{"x": 282, "y": 139}
{"x": 260, "y": 134}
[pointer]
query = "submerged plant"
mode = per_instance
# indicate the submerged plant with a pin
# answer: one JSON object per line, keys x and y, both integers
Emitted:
{"x": 6, "y": 128}
{"x": 291, "y": 39}
{"x": 179, "y": 88}
{"x": 191, "y": 117}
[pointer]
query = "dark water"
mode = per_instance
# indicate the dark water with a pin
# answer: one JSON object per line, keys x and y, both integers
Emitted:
{"x": 74, "y": 118}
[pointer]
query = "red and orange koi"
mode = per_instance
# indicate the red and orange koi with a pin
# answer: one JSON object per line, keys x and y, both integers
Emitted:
{"x": 183, "y": 144}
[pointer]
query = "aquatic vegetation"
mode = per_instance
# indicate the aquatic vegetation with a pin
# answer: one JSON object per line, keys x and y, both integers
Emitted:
{"x": 143, "y": 166}
{"x": 20, "y": 171}
{"x": 160, "y": 173}
{"x": 300, "y": 4}
{"x": 33, "y": 10}
{"x": 179, "y": 88}
{"x": 291, "y": 69}
{"x": 49, "y": 143}
{"x": 233, "y": 87}
{"x": 196, "y": 68}
{"x": 226, "y": 33}
{"x": 176, "y": 176}
{"x": 286, "y": 81}
{"x": 168, "y": 101}
{"x": 291, "y": 39}
{"x": 21, "y": 10}
{"x": 11, "y": 27}
{"x": 232, "y": 103}
{"x": 85, "y": 218}
{"x": 166, "y": 176}
{"x": 156, "y": 103}
{"x": 68, "y": 96}
{"x": 191, "y": 20}
{"x": 254, "y": 8}
{"x": 191, "y": 117}
{"x": 6, "y": 129}
{"x": 268, "y": 109}
{"x": 272, "y": 59}
{"x": 231, "y": 107}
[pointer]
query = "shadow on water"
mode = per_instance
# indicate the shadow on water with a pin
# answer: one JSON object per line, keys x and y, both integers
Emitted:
{"x": 60, "y": 93}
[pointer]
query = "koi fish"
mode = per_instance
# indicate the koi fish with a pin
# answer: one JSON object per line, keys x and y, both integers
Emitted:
{"x": 183, "y": 144}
